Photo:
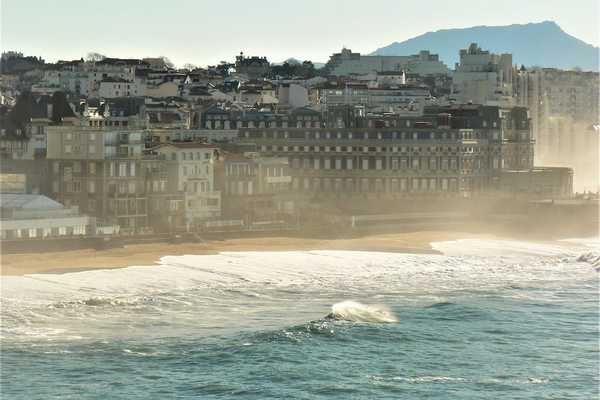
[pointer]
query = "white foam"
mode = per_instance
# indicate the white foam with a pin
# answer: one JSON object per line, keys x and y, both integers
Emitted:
{"x": 241, "y": 290}
{"x": 358, "y": 312}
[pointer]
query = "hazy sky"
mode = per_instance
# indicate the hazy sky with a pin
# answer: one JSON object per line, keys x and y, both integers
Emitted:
{"x": 208, "y": 31}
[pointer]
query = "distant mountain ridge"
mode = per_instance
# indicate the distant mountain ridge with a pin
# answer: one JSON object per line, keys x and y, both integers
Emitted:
{"x": 542, "y": 44}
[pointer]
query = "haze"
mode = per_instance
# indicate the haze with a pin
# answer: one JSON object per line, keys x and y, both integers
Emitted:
{"x": 206, "y": 32}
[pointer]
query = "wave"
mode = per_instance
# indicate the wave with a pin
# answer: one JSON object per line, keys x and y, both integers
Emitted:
{"x": 591, "y": 258}
{"x": 358, "y": 312}
{"x": 270, "y": 290}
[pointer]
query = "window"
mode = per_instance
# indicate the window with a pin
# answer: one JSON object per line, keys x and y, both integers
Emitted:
{"x": 444, "y": 165}
{"x": 68, "y": 149}
{"x": 92, "y": 168}
{"x": 92, "y": 148}
{"x": 32, "y": 232}
{"x": 62, "y": 231}
{"x": 91, "y": 187}
{"x": 122, "y": 169}
{"x": 432, "y": 184}
{"x": 56, "y": 167}
{"x": 415, "y": 184}
{"x": 132, "y": 168}
{"x": 432, "y": 164}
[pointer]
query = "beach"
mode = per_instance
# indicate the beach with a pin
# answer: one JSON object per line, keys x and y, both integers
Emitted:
{"x": 150, "y": 254}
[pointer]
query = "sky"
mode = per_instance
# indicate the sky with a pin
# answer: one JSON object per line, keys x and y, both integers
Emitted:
{"x": 205, "y": 32}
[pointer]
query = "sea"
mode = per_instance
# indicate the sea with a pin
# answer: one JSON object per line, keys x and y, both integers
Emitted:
{"x": 483, "y": 319}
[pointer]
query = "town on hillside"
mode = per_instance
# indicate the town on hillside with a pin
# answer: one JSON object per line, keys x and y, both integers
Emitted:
{"x": 102, "y": 148}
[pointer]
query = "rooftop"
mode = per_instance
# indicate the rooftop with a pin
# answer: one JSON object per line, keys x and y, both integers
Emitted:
{"x": 28, "y": 201}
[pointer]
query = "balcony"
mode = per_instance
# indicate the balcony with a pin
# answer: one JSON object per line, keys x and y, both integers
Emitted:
{"x": 278, "y": 179}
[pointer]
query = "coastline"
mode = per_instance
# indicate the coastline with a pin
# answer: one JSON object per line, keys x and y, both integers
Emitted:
{"x": 150, "y": 254}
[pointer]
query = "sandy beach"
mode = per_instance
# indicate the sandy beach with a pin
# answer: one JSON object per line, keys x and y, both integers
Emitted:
{"x": 150, "y": 254}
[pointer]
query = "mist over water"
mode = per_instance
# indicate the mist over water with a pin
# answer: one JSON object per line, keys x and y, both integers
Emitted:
{"x": 487, "y": 319}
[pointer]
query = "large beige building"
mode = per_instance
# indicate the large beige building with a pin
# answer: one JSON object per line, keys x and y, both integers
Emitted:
{"x": 482, "y": 77}
{"x": 348, "y": 63}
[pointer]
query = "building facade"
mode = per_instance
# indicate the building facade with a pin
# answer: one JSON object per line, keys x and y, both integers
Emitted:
{"x": 190, "y": 167}
{"x": 348, "y": 63}
{"x": 453, "y": 150}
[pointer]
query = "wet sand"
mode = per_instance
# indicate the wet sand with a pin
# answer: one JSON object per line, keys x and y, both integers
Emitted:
{"x": 150, "y": 254}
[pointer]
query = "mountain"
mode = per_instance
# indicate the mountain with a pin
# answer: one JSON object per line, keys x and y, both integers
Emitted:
{"x": 542, "y": 44}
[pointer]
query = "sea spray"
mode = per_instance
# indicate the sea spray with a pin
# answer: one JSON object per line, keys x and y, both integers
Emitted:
{"x": 358, "y": 312}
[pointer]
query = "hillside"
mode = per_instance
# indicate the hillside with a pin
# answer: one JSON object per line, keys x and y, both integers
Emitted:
{"x": 536, "y": 44}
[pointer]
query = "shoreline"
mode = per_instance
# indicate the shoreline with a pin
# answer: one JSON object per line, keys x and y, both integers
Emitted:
{"x": 150, "y": 254}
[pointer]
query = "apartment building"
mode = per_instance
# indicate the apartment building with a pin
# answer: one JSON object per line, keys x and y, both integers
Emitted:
{"x": 255, "y": 188}
{"x": 97, "y": 164}
{"x": 190, "y": 169}
{"x": 347, "y": 63}
{"x": 482, "y": 77}
{"x": 378, "y": 98}
{"x": 457, "y": 150}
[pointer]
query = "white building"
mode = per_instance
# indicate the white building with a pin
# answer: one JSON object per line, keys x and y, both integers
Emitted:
{"x": 30, "y": 216}
{"x": 483, "y": 78}
{"x": 117, "y": 87}
{"x": 293, "y": 94}
{"x": 348, "y": 63}
{"x": 192, "y": 168}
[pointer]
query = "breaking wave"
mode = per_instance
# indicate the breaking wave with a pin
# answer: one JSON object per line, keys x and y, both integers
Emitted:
{"x": 358, "y": 312}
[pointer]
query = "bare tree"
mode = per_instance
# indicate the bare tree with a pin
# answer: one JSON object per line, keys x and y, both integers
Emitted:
{"x": 189, "y": 66}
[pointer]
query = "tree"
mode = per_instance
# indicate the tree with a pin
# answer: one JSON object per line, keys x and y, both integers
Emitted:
{"x": 21, "y": 113}
{"x": 60, "y": 107}
{"x": 190, "y": 67}
{"x": 167, "y": 62}
{"x": 93, "y": 57}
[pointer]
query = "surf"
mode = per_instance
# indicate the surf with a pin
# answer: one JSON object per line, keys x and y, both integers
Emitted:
{"x": 358, "y": 312}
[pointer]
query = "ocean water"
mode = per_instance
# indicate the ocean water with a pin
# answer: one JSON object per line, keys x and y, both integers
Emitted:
{"x": 483, "y": 320}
